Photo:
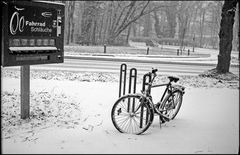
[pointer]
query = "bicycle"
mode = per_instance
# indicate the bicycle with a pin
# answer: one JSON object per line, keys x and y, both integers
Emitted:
{"x": 134, "y": 113}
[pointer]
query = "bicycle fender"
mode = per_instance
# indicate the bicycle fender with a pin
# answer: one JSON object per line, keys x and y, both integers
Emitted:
{"x": 179, "y": 87}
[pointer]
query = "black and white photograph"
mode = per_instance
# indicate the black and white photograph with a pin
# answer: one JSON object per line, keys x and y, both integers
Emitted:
{"x": 119, "y": 77}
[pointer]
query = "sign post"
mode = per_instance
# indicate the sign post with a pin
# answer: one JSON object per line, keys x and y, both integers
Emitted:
{"x": 32, "y": 33}
{"x": 25, "y": 91}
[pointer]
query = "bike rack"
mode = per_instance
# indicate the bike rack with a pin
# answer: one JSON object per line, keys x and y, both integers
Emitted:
{"x": 132, "y": 83}
{"x": 132, "y": 80}
{"x": 123, "y": 70}
{"x": 132, "y": 86}
{"x": 146, "y": 80}
{"x": 133, "y": 76}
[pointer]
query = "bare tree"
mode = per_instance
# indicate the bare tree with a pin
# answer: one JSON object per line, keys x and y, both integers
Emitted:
{"x": 70, "y": 23}
{"x": 124, "y": 13}
{"x": 147, "y": 23}
{"x": 171, "y": 17}
{"x": 157, "y": 24}
{"x": 214, "y": 9}
{"x": 236, "y": 31}
{"x": 201, "y": 24}
{"x": 226, "y": 35}
{"x": 183, "y": 17}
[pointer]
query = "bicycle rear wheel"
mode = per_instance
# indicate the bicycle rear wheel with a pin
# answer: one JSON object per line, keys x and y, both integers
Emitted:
{"x": 172, "y": 104}
{"x": 131, "y": 114}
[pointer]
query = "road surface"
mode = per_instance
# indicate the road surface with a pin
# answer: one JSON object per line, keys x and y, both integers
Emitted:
{"x": 80, "y": 65}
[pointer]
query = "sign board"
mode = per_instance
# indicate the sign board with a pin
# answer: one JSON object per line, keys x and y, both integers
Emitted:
{"x": 32, "y": 33}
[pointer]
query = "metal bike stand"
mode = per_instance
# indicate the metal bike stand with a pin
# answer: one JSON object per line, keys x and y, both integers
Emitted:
{"x": 132, "y": 82}
{"x": 146, "y": 79}
{"x": 123, "y": 73}
{"x": 133, "y": 76}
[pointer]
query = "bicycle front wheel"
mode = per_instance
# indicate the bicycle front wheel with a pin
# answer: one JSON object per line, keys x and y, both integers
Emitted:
{"x": 131, "y": 114}
{"x": 172, "y": 104}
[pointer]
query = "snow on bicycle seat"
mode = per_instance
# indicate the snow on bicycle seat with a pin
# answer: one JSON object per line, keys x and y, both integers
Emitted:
{"x": 172, "y": 78}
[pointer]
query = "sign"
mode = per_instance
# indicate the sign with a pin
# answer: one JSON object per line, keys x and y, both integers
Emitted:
{"x": 32, "y": 33}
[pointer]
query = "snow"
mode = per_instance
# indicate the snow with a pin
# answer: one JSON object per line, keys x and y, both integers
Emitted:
{"x": 73, "y": 116}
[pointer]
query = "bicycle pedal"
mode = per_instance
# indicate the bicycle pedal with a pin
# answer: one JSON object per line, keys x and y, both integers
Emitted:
{"x": 166, "y": 119}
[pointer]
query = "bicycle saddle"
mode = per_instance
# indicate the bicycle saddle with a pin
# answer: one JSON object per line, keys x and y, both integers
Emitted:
{"x": 172, "y": 78}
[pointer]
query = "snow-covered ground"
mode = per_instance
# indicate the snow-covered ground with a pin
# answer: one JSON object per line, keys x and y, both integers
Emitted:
{"x": 74, "y": 117}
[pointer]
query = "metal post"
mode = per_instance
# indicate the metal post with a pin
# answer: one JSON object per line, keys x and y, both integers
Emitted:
{"x": 133, "y": 76}
{"x": 105, "y": 50}
{"x": 144, "y": 84}
{"x": 193, "y": 41}
{"x": 25, "y": 91}
{"x": 123, "y": 70}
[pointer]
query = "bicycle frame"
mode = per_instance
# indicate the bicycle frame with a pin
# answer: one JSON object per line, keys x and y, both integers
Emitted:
{"x": 147, "y": 95}
{"x": 167, "y": 89}
{"x": 134, "y": 113}
{"x": 150, "y": 86}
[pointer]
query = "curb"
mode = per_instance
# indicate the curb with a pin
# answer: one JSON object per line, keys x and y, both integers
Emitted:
{"x": 112, "y": 58}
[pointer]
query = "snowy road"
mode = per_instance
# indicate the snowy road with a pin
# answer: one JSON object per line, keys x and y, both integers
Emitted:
{"x": 113, "y": 67}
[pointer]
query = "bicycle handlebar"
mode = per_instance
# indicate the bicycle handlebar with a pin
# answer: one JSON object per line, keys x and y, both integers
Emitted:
{"x": 154, "y": 74}
{"x": 154, "y": 70}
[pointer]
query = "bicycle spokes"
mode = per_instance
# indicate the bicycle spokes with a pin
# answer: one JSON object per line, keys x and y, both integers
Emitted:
{"x": 131, "y": 116}
{"x": 171, "y": 106}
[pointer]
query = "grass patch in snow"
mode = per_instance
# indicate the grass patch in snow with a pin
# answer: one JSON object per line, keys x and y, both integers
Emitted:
{"x": 47, "y": 109}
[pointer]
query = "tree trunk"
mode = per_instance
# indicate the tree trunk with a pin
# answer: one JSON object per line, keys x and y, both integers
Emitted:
{"x": 69, "y": 24}
{"x": 72, "y": 32}
{"x": 235, "y": 31}
{"x": 183, "y": 20}
{"x": 94, "y": 32}
{"x": 71, "y": 7}
{"x": 202, "y": 20}
{"x": 128, "y": 34}
{"x": 171, "y": 18}
{"x": 147, "y": 25}
{"x": 226, "y": 35}
{"x": 134, "y": 29}
{"x": 157, "y": 24}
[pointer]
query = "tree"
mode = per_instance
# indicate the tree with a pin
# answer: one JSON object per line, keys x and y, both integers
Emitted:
{"x": 70, "y": 24}
{"x": 147, "y": 24}
{"x": 226, "y": 35}
{"x": 157, "y": 24}
{"x": 183, "y": 19}
{"x": 171, "y": 17}
{"x": 124, "y": 13}
{"x": 89, "y": 22}
{"x": 214, "y": 22}
{"x": 236, "y": 31}
{"x": 202, "y": 21}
